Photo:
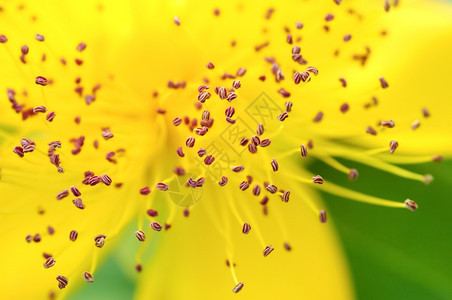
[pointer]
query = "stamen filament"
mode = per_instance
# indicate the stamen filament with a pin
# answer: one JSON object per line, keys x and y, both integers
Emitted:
{"x": 334, "y": 163}
{"x": 353, "y": 195}
{"x": 94, "y": 261}
{"x": 231, "y": 267}
{"x": 255, "y": 228}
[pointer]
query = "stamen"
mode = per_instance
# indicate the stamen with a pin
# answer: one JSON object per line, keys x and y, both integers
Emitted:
{"x": 107, "y": 134}
{"x": 81, "y": 47}
{"x": 41, "y": 80}
{"x": 271, "y": 188}
{"x": 347, "y": 37}
{"x": 62, "y": 194}
{"x": 236, "y": 84}
{"x": 353, "y": 174}
{"x": 246, "y": 228}
{"x": 156, "y": 226}
{"x": 190, "y": 142}
{"x": 288, "y": 106}
{"x": 202, "y": 152}
{"x": 415, "y": 125}
{"x": 388, "y": 124}
{"x": 78, "y": 203}
{"x": 437, "y": 158}
{"x": 317, "y": 179}
{"x": 387, "y": 5}
{"x": 99, "y": 240}
{"x": 140, "y": 235}
{"x": 88, "y": 277}
{"x": 231, "y": 96}
{"x": 383, "y": 82}
{"x": 410, "y": 204}
{"x": 425, "y": 112}
{"x": 313, "y": 70}
{"x": 274, "y": 165}
{"x": 238, "y": 169}
{"x": 255, "y": 140}
{"x": 62, "y": 281}
{"x": 200, "y": 182}
{"x": 427, "y": 178}
{"x": 244, "y": 185}
{"x": 210, "y": 66}
{"x": 145, "y": 191}
{"x": 201, "y": 131}
{"x": 229, "y": 112}
{"x": 152, "y": 213}
{"x": 176, "y": 21}
{"x": 109, "y": 156}
{"x": 73, "y": 235}
{"x": 29, "y": 238}
{"x": 284, "y": 93}
{"x": 230, "y": 121}
{"x": 268, "y": 250}
{"x": 238, "y": 287}
{"x": 49, "y": 262}
{"x": 283, "y": 116}
{"x": 39, "y": 37}
{"x": 162, "y": 186}
{"x": 94, "y": 180}
{"x": 203, "y": 96}
{"x": 223, "y": 181}
{"x": 370, "y": 130}
{"x": 205, "y": 115}
{"x": 343, "y": 82}
{"x": 285, "y": 196}
{"x": 139, "y": 268}
{"x": 241, "y": 72}
{"x": 329, "y": 17}
{"x": 344, "y": 108}
{"x": 287, "y": 246}
{"x": 322, "y": 216}
{"x": 50, "y": 116}
{"x": 256, "y": 190}
{"x": 279, "y": 76}
{"x": 37, "y": 238}
{"x": 180, "y": 152}
{"x": 318, "y": 117}
{"x": 303, "y": 150}
{"x": 265, "y": 143}
{"x": 393, "y": 146}
{"x": 177, "y": 121}
{"x": 209, "y": 160}
{"x": 50, "y": 230}
{"x": 39, "y": 109}
{"x": 244, "y": 141}
{"x": 289, "y": 39}
{"x": 75, "y": 191}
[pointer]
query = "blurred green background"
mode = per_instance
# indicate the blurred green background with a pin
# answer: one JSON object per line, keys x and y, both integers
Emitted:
{"x": 392, "y": 253}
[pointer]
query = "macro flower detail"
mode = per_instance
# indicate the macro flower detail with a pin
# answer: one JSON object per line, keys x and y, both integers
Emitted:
{"x": 214, "y": 108}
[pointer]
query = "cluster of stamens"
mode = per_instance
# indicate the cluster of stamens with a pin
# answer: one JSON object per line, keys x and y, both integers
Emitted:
{"x": 191, "y": 147}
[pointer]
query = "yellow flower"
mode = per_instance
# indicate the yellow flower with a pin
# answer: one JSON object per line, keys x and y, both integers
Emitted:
{"x": 112, "y": 81}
